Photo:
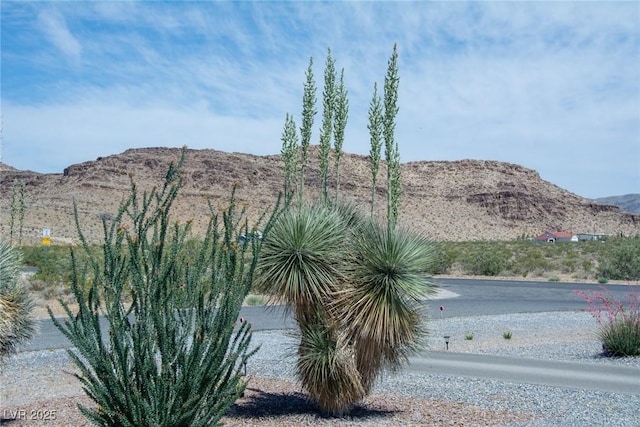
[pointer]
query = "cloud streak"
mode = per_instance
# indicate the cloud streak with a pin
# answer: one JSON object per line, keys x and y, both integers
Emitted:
{"x": 552, "y": 86}
{"x": 57, "y": 33}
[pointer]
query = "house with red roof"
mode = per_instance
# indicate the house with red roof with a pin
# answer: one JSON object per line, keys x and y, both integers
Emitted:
{"x": 557, "y": 236}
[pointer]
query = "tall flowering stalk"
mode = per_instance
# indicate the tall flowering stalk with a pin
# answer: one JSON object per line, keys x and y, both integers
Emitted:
{"x": 618, "y": 320}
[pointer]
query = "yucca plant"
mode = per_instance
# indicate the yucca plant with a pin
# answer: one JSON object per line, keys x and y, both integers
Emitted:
{"x": 173, "y": 353}
{"x": 327, "y": 365}
{"x": 302, "y": 264}
{"x": 302, "y": 259}
{"x": 16, "y": 324}
{"x": 355, "y": 286}
{"x": 356, "y": 289}
{"x": 381, "y": 302}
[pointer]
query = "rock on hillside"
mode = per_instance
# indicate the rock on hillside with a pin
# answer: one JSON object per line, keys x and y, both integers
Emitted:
{"x": 452, "y": 200}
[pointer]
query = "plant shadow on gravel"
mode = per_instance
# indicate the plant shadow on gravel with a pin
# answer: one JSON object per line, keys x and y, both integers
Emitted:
{"x": 260, "y": 404}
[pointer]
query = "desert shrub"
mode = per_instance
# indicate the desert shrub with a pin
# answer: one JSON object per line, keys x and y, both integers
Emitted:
{"x": 622, "y": 261}
{"x": 618, "y": 321}
{"x": 53, "y": 268}
{"x": 524, "y": 258}
{"x": 569, "y": 266}
{"x": 255, "y": 300}
{"x": 173, "y": 354}
{"x": 621, "y": 337}
{"x": 53, "y": 263}
{"x": 484, "y": 262}
{"x": 530, "y": 259}
{"x": 443, "y": 259}
{"x": 16, "y": 324}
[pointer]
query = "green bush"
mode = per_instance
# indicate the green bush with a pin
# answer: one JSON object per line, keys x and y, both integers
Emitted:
{"x": 255, "y": 300}
{"x": 173, "y": 354}
{"x": 621, "y": 337}
{"x": 53, "y": 263}
{"x": 622, "y": 261}
{"x": 484, "y": 262}
{"x": 444, "y": 258}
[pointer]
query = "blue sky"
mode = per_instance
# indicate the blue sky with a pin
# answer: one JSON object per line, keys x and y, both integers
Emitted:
{"x": 553, "y": 86}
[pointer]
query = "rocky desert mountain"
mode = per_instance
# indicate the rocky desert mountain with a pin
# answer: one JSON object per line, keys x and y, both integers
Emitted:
{"x": 447, "y": 200}
{"x": 626, "y": 202}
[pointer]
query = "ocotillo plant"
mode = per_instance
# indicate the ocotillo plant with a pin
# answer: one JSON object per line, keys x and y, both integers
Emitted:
{"x": 172, "y": 354}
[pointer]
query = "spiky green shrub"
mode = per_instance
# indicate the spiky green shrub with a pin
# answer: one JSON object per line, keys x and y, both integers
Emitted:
{"x": 621, "y": 337}
{"x": 355, "y": 286}
{"x": 356, "y": 289}
{"x": 302, "y": 258}
{"x": 16, "y": 324}
{"x": 301, "y": 263}
{"x": 380, "y": 302}
{"x": 172, "y": 353}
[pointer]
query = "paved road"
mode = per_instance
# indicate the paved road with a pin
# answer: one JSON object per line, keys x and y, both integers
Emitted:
{"x": 471, "y": 298}
{"x": 583, "y": 376}
{"x": 488, "y": 297}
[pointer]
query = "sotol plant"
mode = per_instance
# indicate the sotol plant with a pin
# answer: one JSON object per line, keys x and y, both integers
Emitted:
{"x": 172, "y": 352}
{"x": 16, "y": 324}
{"x": 355, "y": 285}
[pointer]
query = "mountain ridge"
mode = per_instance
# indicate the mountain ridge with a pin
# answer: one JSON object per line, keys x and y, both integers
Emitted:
{"x": 626, "y": 202}
{"x": 446, "y": 200}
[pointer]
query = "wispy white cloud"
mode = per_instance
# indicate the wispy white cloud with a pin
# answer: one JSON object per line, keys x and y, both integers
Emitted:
{"x": 553, "y": 86}
{"x": 55, "y": 29}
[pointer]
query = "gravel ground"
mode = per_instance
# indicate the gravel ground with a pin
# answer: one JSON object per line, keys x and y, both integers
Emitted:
{"x": 42, "y": 381}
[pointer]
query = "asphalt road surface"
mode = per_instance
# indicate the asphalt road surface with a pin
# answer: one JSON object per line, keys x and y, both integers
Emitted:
{"x": 470, "y": 298}
{"x": 582, "y": 376}
{"x": 490, "y": 297}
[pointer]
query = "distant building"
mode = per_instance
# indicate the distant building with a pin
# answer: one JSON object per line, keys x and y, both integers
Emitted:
{"x": 557, "y": 236}
{"x": 589, "y": 236}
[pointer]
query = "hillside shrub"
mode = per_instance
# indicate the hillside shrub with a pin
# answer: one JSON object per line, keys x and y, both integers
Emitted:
{"x": 529, "y": 259}
{"x": 52, "y": 264}
{"x": 618, "y": 321}
{"x": 173, "y": 354}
